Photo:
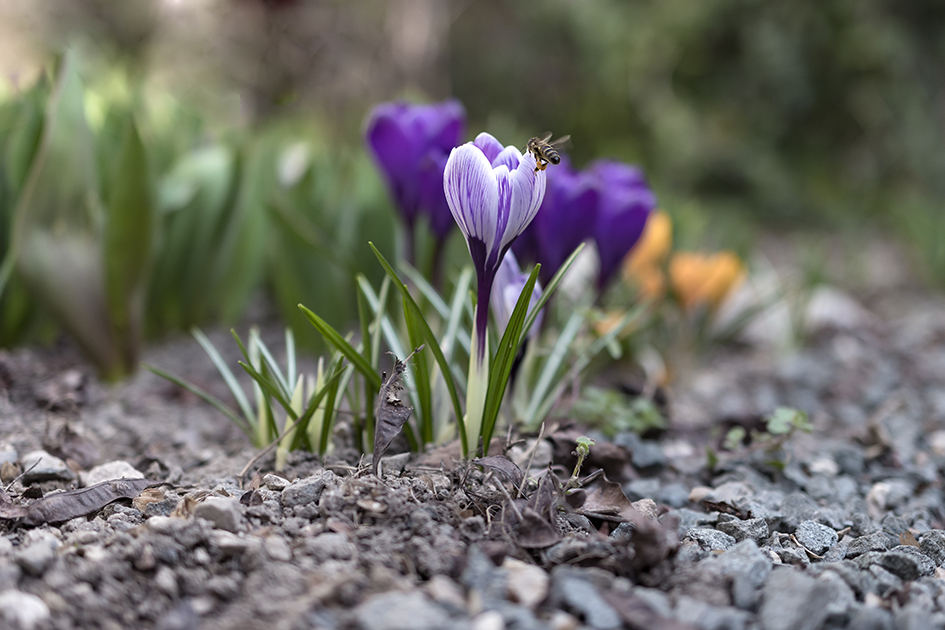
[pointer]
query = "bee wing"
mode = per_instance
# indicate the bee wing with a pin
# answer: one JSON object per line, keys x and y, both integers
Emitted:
{"x": 562, "y": 141}
{"x": 546, "y": 136}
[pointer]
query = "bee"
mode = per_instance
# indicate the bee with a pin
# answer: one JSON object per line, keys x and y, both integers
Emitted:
{"x": 544, "y": 151}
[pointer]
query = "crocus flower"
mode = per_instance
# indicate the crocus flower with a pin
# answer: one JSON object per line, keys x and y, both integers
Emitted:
{"x": 410, "y": 144}
{"x": 493, "y": 193}
{"x": 624, "y": 205}
{"x": 509, "y": 284}
{"x": 705, "y": 279}
{"x": 565, "y": 219}
{"x": 643, "y": 266}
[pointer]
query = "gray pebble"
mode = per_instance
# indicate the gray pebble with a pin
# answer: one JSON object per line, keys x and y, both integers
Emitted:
{"x": 24, "y": 610}
{"x": 224, "y": 513}
{"x": 711, "y": 539}
{"x": 863, "y": 544}
{"x": 401, "y": 611}
{"x": 648, "y": 454}
{"x": 303, "y": 492}
{"x": 907, "y": 562}
{"x": 755, "y": 529}
{"x": 933, "y": 545}
{"x": 39, "y": 555}
{"x": 815, "y": 537}
{"x": 793, "y": 601}
{"x": 41, "y": 466}
{"x": 647, "y": 488}
{"x": 674, "y": 495}
{"x": 582, "y": 597}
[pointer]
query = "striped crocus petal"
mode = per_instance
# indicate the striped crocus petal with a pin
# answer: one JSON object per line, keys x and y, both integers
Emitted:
{"x": 472, "y": 193}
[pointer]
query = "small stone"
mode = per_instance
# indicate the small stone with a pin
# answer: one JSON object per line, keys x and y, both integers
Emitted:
{"x": 711, "y": 539}
{"x": 864, "y": 544}
{"x": 755, "y": 529}
{"x": 166, "y": 581}
{"x": 446, "y": 592}
{"x": 23, "y": 610}
{"x": 815, "y": 537}
{"x": 648, "y": 454}
{"x": 674, "y": 495}
{"x": 394, "y": 464}
{"x": 303, "y": 492}
{"x": 697, "y": 494}
{"x": 401, "y": 611}
{"x": 118, "y": 469}
{"x": 275, "y": 482}
{"x": 645, "y": 488}
{"x": 489, "y": 620}
{"x": 793, "y": 601}
{"x": 933, "y": 545}
{"x": 222, "y": 512}
{"x": 41, "y": 466}
{"x": 277, "y": 549}
{"x": 527, "y": 584}
{"x": 698, "y": 614}
{"x": 907, "y": 562}
{"x": 331, "y": 546}
{"x": 582, "y": 597}
{"x": 39, "y": 555}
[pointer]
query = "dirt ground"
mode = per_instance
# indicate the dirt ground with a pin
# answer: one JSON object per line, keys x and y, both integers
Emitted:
{"x": 844, "y": 527}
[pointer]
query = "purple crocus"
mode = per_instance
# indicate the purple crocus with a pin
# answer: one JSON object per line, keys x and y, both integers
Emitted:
{"x": 625, "y": 202}
{"x": 410, "y": 144}
{"x": 493, "y": 193}
{"x": 565, "y": 219}
{"x": 509, "y": 284}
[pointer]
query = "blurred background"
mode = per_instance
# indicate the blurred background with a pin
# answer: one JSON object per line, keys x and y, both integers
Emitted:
{"x": 244, "y": 120}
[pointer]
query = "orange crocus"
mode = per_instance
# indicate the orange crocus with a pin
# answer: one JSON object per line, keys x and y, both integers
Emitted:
{"x": 643, "y": 266}
{"x": 705, "y": 279}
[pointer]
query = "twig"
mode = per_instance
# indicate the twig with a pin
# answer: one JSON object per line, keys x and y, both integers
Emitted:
{"x": 511, "y": 502}
{"x": 20, "y": 476}
{"x": 531, "y": 458}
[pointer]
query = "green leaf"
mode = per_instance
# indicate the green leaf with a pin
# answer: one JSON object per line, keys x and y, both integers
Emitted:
{"x": 786, "y": 419}
{"x": 207, "y": 397}
{"x": 314, "y": 401}
{"x": 552, "y": 286}
{"x": 225, "y": 372}
{"x": 128, "y": 237}
{"x": 504, "y": 359}
{"x": 335, "y": 339}
{"x": 421, "y": 378}
{"x": 430, "y": 340}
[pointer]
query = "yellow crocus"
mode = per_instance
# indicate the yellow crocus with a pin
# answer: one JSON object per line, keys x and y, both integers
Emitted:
{"x": 705, "y": 279}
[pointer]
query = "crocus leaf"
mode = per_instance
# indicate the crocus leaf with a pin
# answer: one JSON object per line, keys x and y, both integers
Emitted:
{"x": 333, "y": 337}
{"x": 504, "y": 358}
{"x": 390, "y": 412}
{"x": 129, "y": 230}
{"x": 57, "y": 234}
{"x": 430, "y": 339}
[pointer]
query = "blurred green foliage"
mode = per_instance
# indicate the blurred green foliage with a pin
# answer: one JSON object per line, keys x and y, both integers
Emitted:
{"x": 813, "y": 112}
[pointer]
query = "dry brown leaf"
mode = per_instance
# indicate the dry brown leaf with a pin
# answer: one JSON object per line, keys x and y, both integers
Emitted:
{"x": 391, "y": 412}
{"x": 504, "y": 465}
{"x": 63, "y": 506}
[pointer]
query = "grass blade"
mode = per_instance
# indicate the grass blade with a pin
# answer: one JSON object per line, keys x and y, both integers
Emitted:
{"x": 421, "y": 377}
{"x": 431, "y": 342}
{"x": 552, "y": 365}
{"x": 334, "y": 338}
{"x": 207, "y": 397}
{"x": 555, "y": 281}
{"x": 225, "y": 372}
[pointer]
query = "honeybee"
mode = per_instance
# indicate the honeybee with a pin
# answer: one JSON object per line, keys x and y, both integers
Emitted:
{"x": 544, "y": 151}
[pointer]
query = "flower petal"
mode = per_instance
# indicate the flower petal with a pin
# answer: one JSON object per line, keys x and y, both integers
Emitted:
{"x": 471, "y": 192}
{"x": 488, "y": 145}
{"x": 509, "y": 156}
{"x": 527, "y": 192}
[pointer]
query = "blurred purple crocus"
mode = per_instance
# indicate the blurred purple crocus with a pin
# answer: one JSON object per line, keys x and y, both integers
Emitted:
{"x": 565, "y": 219}
{"x": 625, "y": 202}
{"x": 410, "y": 144}
{"x": 509, "y": 284}
{"x": 493, "y": 193}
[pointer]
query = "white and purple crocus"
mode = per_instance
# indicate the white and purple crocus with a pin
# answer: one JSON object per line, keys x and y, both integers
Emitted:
{"x": 493, "y": 193}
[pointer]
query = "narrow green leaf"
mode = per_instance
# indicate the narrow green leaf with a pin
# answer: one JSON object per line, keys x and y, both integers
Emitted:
{"x": 269, "y": 388}
{"x": 431, "y": 341}
{"x": 314, "y": 401}
{"x": 552, "y": 286}
{"x": 206, "y": 397}
{"x": 284, "y": 385}
{"x": 456, "y": 312}
{"x": 553, "y": 363}
{"x": 290, "y": 355}
{"x": 225, "y": 372}
{"x": 504, "y": 359}
{"x": 334, "y": 338}
{"x": 420, "y": 372}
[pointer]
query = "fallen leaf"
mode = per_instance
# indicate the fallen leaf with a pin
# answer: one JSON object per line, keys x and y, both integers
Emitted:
{"x": 907, "y": 538}
{"x": 535, "y": 531}
{"x": 147, "y": 496}
{"x": 504, "y": 465}
{"x": 391, "y": 412}
{"x": 251, "y": 498}
{"x": 63, "y": 506}
{"x": 606, "y": 501}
